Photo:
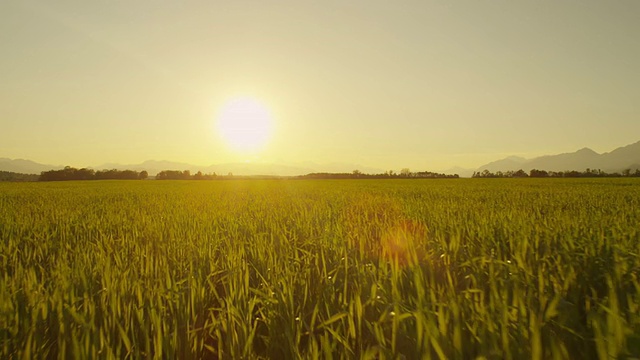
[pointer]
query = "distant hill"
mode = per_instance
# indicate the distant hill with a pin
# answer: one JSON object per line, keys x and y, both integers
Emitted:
{"x": 462, "y": 172}
{"x": 25, "y": 166}
{"x": 626, "y": 157}
{"x": 617, "y": 160}
{"x": 511, "y": 163}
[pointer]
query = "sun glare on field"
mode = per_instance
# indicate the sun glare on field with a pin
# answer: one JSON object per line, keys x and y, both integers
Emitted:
{"x": 245, "y": 124}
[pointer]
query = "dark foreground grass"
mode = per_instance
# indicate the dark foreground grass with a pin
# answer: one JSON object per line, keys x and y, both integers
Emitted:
{"x": 444, "y": 269}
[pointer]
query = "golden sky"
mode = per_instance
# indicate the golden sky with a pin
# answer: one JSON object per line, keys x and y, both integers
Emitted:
{"x": 387, "y": 84}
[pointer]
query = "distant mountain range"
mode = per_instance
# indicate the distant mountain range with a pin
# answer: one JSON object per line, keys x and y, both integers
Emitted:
{"x": 626, "y": 157}
{"x": 22, "y": 166}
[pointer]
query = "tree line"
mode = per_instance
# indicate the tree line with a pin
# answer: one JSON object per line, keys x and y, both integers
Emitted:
{"x": 357, "y": 174}
{"x": 70, "y": 173}
{"x": 186, "y": 175}
{"x": 18, "y": 177}
{"x": 535, "y": 173}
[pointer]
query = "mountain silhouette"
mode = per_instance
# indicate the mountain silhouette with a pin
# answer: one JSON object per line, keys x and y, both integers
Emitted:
{"x": 626, "y": 157}
{"x": 617, "y": 160}
{"x": 23, "y": 166}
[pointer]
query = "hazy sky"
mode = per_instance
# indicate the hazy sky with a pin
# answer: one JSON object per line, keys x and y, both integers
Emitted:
{"x": 389, "y": 84}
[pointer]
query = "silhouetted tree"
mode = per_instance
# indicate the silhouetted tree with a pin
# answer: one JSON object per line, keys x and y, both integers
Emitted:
{"x": 173, "y": 175}
{"x": 538, "y": 173}
{"x": 70, "y": 173}
{"x": 12, "y": 176}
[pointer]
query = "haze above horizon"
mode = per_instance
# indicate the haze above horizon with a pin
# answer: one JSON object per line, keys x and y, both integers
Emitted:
{"x": 425, "y": 85}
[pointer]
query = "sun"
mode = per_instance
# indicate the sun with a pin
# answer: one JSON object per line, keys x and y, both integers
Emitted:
{"x": 245, "y": 124}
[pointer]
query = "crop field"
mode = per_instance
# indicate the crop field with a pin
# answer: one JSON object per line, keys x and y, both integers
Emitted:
{"x": 296, "y": 269}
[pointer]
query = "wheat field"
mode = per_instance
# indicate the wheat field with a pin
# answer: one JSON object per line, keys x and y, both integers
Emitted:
{"x": 296, "y": 269}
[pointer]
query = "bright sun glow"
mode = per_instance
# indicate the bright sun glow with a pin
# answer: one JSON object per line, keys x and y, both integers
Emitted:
{"x": 245, "y": 124}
